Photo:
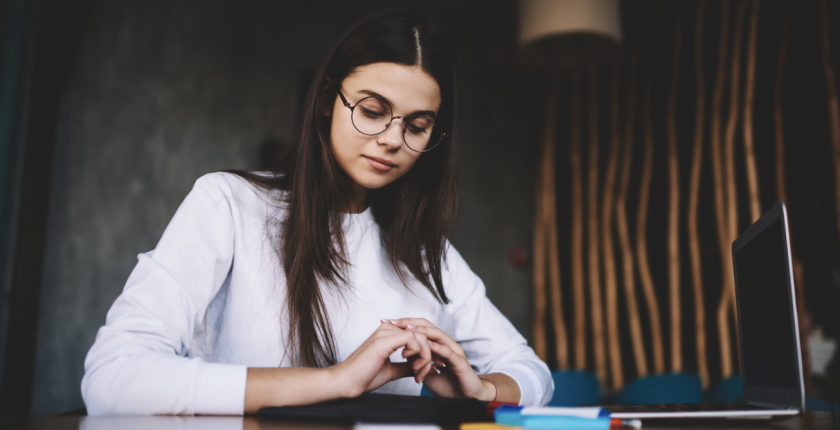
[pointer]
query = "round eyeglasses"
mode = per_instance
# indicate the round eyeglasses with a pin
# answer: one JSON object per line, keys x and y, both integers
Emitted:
{"x": 372, "y": 115}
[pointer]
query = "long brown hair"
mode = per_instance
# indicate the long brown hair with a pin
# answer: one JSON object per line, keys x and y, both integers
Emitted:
{"x": 414, "y": 213}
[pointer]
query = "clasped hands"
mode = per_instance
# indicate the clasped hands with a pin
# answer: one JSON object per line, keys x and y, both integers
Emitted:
{"x": 433, "y": 358}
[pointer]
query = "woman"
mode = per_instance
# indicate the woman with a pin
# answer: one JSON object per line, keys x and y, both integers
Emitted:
{"x": 328, "y": 278}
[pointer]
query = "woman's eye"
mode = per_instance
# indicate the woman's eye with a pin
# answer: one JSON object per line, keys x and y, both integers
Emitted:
{"x": 416, "y": 129}
{"x": 419, "y": 125}
{"x": 371, "y": 114}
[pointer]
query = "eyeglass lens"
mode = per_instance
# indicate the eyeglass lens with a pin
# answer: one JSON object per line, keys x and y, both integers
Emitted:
{"x": 372, "y": 116}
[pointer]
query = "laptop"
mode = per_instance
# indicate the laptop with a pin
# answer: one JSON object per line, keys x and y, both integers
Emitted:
{"x": 771, "y": 359}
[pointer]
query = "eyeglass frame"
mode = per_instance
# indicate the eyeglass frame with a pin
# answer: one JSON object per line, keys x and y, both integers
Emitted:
{"x": 352, "y": 108}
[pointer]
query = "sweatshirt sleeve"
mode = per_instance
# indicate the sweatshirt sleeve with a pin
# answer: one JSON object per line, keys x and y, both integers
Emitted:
{"x": 491, "y": 343}
{"x": 138, "y": 363}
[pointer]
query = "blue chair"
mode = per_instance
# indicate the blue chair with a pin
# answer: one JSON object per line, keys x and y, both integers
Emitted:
{"x": 732, "y": 390}
{"x": 574, "y": 388}
{"x": 669, "y": 388}
{"x": 424, "y": 392}
{"x": 817, "y": 404}
{"x": 571, "y": 388}
{"x": 728, "y": 390}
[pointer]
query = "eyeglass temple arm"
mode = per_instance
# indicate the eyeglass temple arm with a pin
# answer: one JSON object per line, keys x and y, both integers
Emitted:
{"x": 344, "y": 100}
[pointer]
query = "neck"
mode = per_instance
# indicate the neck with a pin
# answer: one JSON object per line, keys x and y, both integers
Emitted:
{"x": 360, "y": 199}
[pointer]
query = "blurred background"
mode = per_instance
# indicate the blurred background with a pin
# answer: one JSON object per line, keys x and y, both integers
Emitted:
{"x": 111, "y": 109}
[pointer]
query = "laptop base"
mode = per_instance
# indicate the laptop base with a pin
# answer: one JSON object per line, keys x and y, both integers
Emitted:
{"x": 697, "y": 410}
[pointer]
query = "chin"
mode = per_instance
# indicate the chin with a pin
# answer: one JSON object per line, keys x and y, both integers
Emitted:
{"x": 375, "y": 183}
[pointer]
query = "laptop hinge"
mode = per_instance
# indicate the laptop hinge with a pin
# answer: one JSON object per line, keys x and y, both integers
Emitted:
{"x": 769, "y": 405}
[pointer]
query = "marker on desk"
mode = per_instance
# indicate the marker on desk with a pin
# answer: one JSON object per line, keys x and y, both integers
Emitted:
{"x": 617, "y": 423}
{"x": 557, "y": 419}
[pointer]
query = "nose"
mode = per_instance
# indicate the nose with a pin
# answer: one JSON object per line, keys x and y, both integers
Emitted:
{"x": 393, "y": 136}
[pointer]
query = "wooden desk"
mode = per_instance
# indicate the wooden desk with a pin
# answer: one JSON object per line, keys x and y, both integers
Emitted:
{"x": 811, "y": 421}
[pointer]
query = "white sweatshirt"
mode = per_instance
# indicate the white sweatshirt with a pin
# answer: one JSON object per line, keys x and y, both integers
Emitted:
{"x": 208, "y": 302}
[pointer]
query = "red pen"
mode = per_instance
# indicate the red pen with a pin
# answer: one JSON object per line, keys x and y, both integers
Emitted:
{"x": 491, "y": 408}
{"x": 618, "y": 423}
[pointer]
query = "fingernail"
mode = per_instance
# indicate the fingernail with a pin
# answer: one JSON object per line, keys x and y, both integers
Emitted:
{"x": 410, "y": 326}
{"x": 394, "y": 321}
{"x": 381, "y": 321}
{"x": 436, "y": 370}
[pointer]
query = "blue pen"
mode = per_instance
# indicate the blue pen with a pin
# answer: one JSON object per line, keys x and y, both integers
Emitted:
{"x": 512, "y": 416}
{"x": 536, "y": 422}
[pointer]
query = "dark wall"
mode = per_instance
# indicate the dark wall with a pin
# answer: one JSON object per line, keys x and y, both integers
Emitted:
{"x": 165, "y": 91}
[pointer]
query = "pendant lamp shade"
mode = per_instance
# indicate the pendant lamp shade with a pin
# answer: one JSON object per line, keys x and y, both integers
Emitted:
{"x": 568, "y": 33}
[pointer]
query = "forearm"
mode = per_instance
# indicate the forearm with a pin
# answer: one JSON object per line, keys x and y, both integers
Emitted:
{"x": 500, "y": 387}
{"x": 289, "y": 386}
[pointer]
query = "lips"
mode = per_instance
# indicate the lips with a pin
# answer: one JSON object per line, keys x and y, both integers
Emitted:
{"x": 379, "y": 164}
{"x": 381, "y": 161}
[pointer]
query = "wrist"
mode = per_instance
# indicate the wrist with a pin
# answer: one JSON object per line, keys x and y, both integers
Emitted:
{"x": 345, "y": 389}
{"x": 490, "y": 391}
{"x": 292, "y": 386}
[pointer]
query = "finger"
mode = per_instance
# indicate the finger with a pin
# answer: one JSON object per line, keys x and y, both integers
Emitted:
{"x": 451, "y": 358}
{"x": 418, "y": 353}
{"x": 402, "y": 322}
{"x": 424, "y": 371}
{"x": 386, "y": 344}
{"x": 421, "y": 360}
{"x": 389, "y": 372}
{"x": 437, "y": 335}
{"x": 437, "y": 361}
{"x": 413, "y": 347}
{"x": 425, "y": 352}
{"x": 389, "y": 325}
{"x": 419, "y": 350}
{"x": 423, "y": 364}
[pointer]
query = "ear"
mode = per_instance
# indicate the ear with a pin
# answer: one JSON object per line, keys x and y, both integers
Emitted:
{"x": 327, "y": 100}
{"x": 328, "y": 96}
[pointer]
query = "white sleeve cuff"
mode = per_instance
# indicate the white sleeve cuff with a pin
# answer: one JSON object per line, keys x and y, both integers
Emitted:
{"x": 531, "y": 390}
{"x": 220, "y": 389}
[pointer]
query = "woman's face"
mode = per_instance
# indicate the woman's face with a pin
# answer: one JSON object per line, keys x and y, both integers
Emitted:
{"x": 375, "y": 161}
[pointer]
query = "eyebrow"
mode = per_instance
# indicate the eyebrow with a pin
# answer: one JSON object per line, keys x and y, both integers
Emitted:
{"x": 412, "y": 114}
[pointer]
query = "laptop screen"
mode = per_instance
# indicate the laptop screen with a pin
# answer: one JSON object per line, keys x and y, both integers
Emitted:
{"x": 770, "y": 354}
